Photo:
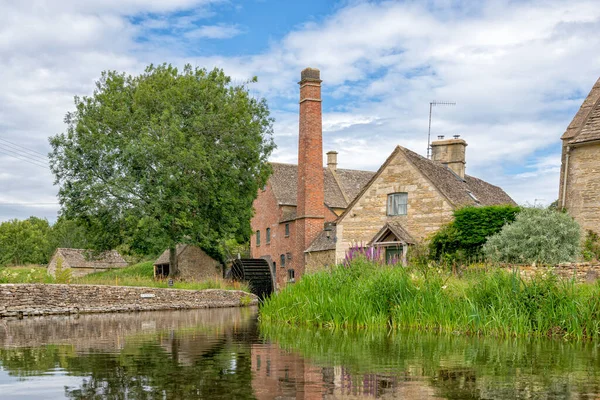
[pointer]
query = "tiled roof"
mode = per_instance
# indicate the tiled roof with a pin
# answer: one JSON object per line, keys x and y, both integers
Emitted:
{"x": 397, "y": 229}
{"x": 80, "y": 258}
{"x": 349, "y": 182}
{"x": 585, "y": 126}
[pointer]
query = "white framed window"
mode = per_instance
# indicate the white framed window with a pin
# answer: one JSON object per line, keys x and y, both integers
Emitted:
{"x": 397, "y": 204}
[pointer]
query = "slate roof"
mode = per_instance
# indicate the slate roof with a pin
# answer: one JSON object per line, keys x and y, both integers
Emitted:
{"x": 164, "y": 257}
{"x": 585, "y": 126}
{"x": 322, "y": 242}
{"x": 397, "y": 229}
{"x": 80, "y": 258}
{"x": 339, "y": 189}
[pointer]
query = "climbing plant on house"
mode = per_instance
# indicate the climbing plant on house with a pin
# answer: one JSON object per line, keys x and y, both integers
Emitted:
{"x": 166, "y": 157}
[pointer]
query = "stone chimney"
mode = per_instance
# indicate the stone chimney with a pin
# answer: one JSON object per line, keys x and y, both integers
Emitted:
{"x": 332, "y": 160}
{"x": 450, "y": 152}
{"x": 310, "y": 210}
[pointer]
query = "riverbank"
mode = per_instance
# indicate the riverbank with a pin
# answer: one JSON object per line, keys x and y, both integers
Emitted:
{"x": 20, "y": 300}
{"x": 497, "y": 303}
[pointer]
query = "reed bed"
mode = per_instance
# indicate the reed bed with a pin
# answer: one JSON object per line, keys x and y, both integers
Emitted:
{"x": 365, "y": 294}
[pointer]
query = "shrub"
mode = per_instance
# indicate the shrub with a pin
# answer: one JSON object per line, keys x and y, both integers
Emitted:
{"x": 470, "y": 229}
{"x": 591, "y": 246}
{"x": 537, "y": 235}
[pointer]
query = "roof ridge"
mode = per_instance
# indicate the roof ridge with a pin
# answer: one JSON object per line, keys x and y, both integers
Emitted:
{"x": 594, "y": 93}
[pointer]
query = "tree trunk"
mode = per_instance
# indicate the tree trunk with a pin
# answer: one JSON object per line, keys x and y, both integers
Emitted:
{"x": 173, "y": 266}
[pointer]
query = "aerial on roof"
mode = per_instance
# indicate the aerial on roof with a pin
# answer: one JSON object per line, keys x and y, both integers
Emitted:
{"x": 80, "y": 258}
{"x": 585, "y": 126}
{"x": 341, "y": 186}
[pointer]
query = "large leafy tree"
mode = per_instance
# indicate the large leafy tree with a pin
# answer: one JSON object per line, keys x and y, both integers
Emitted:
{"x": 162, "y": 158}
{"x": 25, "y": 241}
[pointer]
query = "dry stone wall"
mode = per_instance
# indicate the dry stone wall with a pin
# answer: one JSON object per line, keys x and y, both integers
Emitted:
{"x": 582, "y": 272}
{"x": 17, "y": 300}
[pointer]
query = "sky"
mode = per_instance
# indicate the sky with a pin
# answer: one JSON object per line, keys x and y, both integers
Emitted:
{"x": 517, "y": 71}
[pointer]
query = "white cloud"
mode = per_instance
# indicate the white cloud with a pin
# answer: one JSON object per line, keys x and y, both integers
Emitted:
{"x": 220, "y": 31}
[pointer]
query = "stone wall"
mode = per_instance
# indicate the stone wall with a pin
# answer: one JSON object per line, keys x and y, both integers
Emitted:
{"x": 583, "y": 272}
{"x": 428, "y": 210}
{"x": 196, "y": 265}
{"x": 583, "y": 186}
{"x": 319, "y": 260}
{"x": 18, "y": 300}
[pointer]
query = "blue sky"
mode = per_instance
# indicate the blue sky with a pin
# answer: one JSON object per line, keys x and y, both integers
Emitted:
{"x": 518, "y": 71}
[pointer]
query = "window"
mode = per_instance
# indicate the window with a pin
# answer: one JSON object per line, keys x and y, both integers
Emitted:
{"x": 291, "y": 275}
{"x": 397, "y": 204}
{"x": 282, "y": 260}
{"x": 287, "y": 230}
{"x": 258, "y": 238}
{"x": 268, "y": 235}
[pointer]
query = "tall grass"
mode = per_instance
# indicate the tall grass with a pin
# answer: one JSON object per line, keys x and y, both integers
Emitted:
{"x": 499, "y": 303}
{"x": 136, "y": 275}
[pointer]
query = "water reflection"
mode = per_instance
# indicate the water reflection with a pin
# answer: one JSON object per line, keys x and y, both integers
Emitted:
{"x": 224, "y": 354}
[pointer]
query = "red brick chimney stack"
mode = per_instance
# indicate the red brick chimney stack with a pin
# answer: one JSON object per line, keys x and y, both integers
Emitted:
{"x": 310, "y": 209}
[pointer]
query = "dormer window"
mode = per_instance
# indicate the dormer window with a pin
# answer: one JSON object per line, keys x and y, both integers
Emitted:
{"x": 397, "y": 204}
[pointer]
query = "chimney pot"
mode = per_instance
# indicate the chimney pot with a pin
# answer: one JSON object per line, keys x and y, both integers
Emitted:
{"x": 332, "y": 160}
{"x": 456, "y": 136}
{"x": 440, "y": 137}
{"x": 310, "y": 74}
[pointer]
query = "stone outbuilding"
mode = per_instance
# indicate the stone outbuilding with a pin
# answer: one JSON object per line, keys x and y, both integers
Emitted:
{"x": 194, "y": 264}
{"x": 579, "y": 192}
{"x": 82, "y": 262}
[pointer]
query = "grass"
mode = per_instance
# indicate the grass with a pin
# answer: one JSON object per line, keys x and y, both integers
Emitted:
{"x": 141, "y": 274}
{"x": 498, "y": 303}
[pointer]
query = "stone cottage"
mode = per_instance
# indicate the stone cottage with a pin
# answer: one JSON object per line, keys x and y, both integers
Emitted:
{"x": 307, "y": 216}
{"x": 82, "y": 262}
{"x": 579, "y": 191}
{"x": 194, "y": 264}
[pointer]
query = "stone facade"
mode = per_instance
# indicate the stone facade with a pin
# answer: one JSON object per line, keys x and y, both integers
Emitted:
{"x": 82, "y": 262}
{"x": 582, "y": 272}
{"x": 427, "y": 208}
{"x": 39, "y": 299}
{"x": 319, "y": 260}
{"x": 194, "y": 264}
{"x": 580, "y": 194}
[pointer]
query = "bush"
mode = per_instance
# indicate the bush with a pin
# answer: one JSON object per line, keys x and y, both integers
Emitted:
{"x": 537, "y": 235}
{"x": 470, "y": 229}
{"x": 591, "y": 246}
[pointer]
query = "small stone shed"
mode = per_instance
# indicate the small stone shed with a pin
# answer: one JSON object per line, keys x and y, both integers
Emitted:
{"x": 83, "y": 262}
{"x": 194, "y": 264}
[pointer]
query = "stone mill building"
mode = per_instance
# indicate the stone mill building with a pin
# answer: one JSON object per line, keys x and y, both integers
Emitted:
{"x": 579, "y": 191}
{"x": 308, "y": 215}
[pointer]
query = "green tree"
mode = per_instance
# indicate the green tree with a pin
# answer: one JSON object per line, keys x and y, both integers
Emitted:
{"x": 25, "y": 241}
{"x": 537, "y": 235}
{"x": 163, "y": 158}
{"x": 68, "y": 234}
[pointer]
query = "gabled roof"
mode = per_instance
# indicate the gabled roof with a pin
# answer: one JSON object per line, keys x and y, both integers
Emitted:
{"x": 81, "y": 258}
{"x": 585, "y": 126}
{"x": 322, "y": 242}
{"x": 396, "y": 228}
{"x": 459, "y": 192}
{"x": 346, "y": 183}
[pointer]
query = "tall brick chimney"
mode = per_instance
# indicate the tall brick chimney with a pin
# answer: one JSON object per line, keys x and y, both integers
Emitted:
{"x": 450, "y": 152}
{"x": 310, "y": 211}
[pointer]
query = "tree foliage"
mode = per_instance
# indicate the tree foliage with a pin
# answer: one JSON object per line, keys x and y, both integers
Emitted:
{"x": 470, "y": 229}
{"x": 162, "y": 158}
{"x": 537, "y": 235}
{"x": 25, "y": 241}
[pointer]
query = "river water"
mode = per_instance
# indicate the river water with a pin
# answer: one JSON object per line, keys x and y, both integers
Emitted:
{"x": 225, "y": 354}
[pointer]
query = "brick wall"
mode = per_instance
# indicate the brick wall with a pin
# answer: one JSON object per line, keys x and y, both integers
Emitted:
{"x": 428, "y": 210}
{"x": 42, "y": 299}
{"x": 583, "y": 186}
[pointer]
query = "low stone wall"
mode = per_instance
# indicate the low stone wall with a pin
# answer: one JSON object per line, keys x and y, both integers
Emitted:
{"x": 583, "y": 272}
{"x": 17, "y": 300}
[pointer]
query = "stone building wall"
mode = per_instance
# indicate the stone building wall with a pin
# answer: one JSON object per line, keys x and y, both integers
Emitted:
{"x": 196, "y": 265}
{"x": 319, "y": 260}
{"x": 582, "y": 272}
{"x": 583, "y": 186}
{"x": 428, "y": 209}
{"x": 43, "y": 299}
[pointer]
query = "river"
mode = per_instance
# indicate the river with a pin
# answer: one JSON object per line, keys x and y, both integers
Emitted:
{"x": 225, "y": 354}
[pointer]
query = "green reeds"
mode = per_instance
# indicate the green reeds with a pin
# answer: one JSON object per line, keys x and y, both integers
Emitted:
{"x": 498, "y": 303}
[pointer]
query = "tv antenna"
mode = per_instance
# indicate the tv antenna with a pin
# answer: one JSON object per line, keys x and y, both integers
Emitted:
{"x": 431, "y": 104}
